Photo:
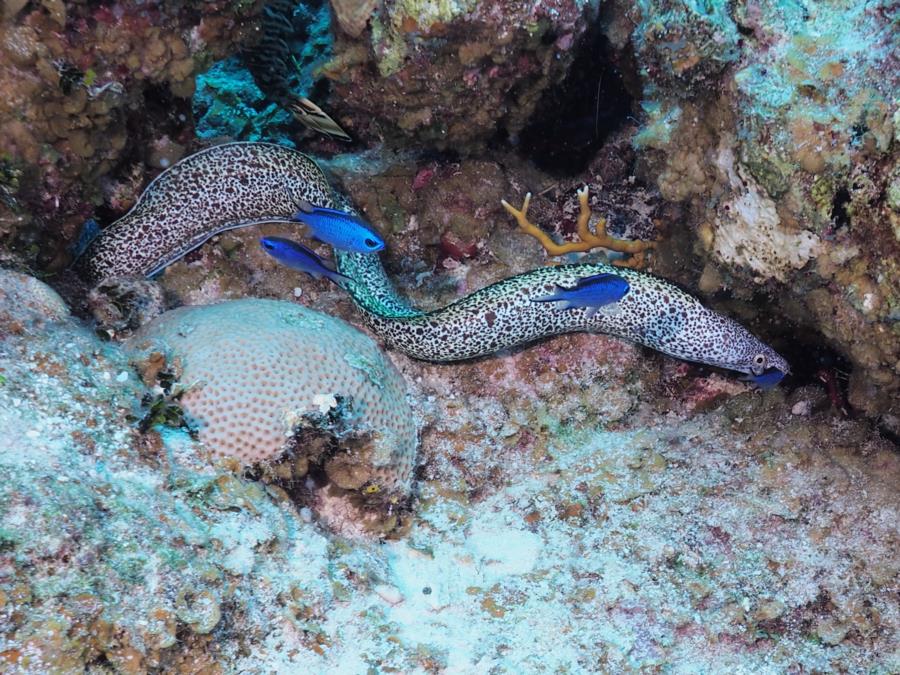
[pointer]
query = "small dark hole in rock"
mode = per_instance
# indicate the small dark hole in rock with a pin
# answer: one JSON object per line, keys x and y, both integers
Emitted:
{"x": 839, "y": 214}
{"x": 574, "y": 118}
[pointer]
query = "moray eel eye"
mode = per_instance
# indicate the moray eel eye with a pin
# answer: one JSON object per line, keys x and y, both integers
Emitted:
{"x": 760, "y": 363}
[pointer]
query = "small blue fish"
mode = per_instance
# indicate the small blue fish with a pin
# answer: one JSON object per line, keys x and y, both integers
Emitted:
{"x": 340, "y": 229}
{"x": 592, "y": 292}
{"x": 768, "y": 379}
{"x": 297, "y": 256}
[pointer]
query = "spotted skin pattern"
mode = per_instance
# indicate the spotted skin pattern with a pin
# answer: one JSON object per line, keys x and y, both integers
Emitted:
{"x": 217, "y": 189}
{"x": 242, "y": 184}
{"x": 654, "y": 313}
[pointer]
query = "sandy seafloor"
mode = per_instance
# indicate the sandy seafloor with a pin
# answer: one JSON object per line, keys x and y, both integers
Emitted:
{"x": 756, "y": 537}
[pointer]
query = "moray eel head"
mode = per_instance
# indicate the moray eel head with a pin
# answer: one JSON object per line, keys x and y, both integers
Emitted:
{"x": 761, "y": 362}
{"x": 738, "y": 349}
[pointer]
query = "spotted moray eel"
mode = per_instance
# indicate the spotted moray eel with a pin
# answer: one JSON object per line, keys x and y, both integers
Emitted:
{"x": 240, "y": 184}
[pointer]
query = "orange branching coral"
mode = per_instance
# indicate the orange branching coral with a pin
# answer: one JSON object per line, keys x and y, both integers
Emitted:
{"x": 588, "y": 240}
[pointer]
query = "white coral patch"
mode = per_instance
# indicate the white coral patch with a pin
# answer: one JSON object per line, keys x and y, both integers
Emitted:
{"x": 325, "y": 402}
{"x": 748, "y": 231}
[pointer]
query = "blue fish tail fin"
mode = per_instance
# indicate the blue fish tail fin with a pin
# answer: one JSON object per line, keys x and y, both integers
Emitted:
{"x": 559, "y": 297}
{"x": 314, "y": 274}
{"x": 89, "y": 232}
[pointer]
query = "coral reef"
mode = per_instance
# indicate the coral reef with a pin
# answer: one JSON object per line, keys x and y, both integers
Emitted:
{"x": 683, "y": 45}
{"x": 83, "y": 83}
{"x": 232, "y": 489}
{"x": 766, "y": 120}
{"x": 758, "y": 535}
{"x": 451, "y": 74}
{"x": 255, "y": 377}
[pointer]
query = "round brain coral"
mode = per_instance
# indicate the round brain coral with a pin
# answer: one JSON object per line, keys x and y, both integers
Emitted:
{"x": 258, "y": 373}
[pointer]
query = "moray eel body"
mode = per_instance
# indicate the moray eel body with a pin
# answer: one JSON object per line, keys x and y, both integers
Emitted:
{"x": 240, "y": 184}
{"x": 653, "y": 313}
{"x": 217, "y": 189}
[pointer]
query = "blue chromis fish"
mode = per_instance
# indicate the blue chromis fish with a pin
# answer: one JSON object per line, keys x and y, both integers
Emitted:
{"x": 342, "y": 230}
{"x": 297, "y": 256}
{"x": 768, "y": 379}
{"x": 591, "y": 292}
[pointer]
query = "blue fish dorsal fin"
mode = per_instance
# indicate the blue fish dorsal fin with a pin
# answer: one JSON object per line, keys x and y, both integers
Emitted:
{"x": 610, "y": 288}
{"x": 604, "y": 278}
{"x": 336, "y": 213}
{"x": 310, "y": 212}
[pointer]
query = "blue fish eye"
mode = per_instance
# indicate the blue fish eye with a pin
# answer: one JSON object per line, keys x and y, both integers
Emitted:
{"x": 371, "y": 243}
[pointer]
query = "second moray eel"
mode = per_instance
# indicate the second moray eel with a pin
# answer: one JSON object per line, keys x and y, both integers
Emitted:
{"x": 239, "y": 184}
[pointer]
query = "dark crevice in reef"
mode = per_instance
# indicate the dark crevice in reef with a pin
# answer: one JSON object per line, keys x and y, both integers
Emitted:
{"x": 839, "y": 213}
{"x": 170, "y": 114}
{"x": 812, "y": 362}
{"x": 889, "y": 435}
{"x": 574, "y": 118}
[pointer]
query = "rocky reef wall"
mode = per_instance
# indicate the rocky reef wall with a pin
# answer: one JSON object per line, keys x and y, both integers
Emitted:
{"x": 655, "y": 514}
{"x": 776, "y": 125}
{"x": 94, "y": 95}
